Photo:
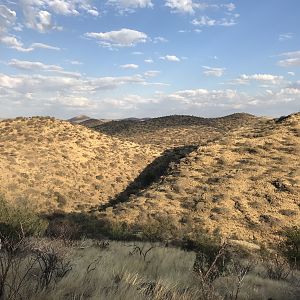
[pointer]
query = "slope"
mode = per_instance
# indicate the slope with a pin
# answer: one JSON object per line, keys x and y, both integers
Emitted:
{"x": 58, "y": 165}
{"x": 245, "y": 186}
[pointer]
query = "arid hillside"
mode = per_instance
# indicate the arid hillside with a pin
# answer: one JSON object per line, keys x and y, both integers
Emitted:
{"x": 175, "y": 131}
{"x": 58, "y": 165}
{"x": 245, "y": 186}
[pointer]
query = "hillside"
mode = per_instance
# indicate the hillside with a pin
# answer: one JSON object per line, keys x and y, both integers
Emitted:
{"x": 58, "y": 165}
{"x": 175, "y": 131}
{"x": 79, "y": 119}
{"x": 245, "y": 186}
{"x": 91, "y": 123}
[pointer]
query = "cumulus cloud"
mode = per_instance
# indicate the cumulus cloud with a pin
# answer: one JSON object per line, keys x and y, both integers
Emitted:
{"x": 39, "y": 20}
{"x": 291, "y": 59}
{"x": 121, "y": 38}
{"x": 181, "y": 6}
{"x": 38, "y": 13}
{"x": 170, "y": 58}
{"x": 45, "y": 92}
{"x": 31, "y": 83}
{"x": 262, "y": 78}
{"x": 216, "y": 72}
{"x": 129, "y": 66}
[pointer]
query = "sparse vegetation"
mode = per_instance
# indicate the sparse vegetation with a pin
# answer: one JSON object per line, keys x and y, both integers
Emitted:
{"x": 208, "y": 221}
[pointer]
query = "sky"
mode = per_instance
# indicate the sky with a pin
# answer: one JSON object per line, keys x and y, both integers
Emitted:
{"x": 148, "y": 58}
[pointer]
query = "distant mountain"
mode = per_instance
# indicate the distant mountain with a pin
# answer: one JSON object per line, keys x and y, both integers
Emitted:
{"x": 90, "y": 123}
{"x": 79, "y": 119}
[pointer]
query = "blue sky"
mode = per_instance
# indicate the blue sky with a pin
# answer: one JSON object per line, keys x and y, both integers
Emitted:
{"x": 144, "y": 58}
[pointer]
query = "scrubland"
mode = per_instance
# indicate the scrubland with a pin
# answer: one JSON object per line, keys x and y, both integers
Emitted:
{"x": 170, "y": 208}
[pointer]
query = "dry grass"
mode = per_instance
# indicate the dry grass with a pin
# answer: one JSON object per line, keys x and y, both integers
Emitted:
{"x": 117, "y": 272}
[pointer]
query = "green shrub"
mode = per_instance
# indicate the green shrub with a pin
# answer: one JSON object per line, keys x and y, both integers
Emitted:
{"x": 16, "y": 220}
{"x": 291, "y": 245}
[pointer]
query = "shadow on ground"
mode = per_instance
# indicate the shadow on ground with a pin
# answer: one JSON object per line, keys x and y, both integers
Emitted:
{"x": 151, "y": 174}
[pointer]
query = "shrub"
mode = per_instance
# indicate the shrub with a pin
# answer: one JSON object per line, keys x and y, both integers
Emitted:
{"x": 16, "y": 219}
{"x": 291, "y": 245}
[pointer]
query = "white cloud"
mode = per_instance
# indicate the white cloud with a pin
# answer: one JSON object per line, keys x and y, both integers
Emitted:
{"x": 36, "y": 94}
{"x": 205, "y": 21}
{"x": 38, "y": 66}
{"x": 74, "y": 101}
{"x": 130, "y": 5}
{"x": 190, "y": 6}
{"x": 75, "y": 62}
{"x": 151, "y": 73}
{"x": 33, "y": 65}
{"x": 264, "y": 78}
{"x": 129, "y": 66}
{"x": 230, "y": 6}
{"x": 170, "y": 58}
{"x": 7, "y": 18}
{"x": 159, "y": 39}
{"x": 291, "y": 73}
{"x": 203, "y": 96}
{"x": 285, "y": 36}
{"x": 181, "y": 6}
{"x": 44, "y": 46}
{"x": 149, "y": 61}
{"x": 292, "y": 59}
{"x": 39, "y": 20}
{"x": 63, "y": 7}
{"x": 121, "y": 38}
{"x": 38, "y": 13}
{"x": 216, "y": 72}
{"x": 93, "y": 12}
{"x": 44, "y": 91}
{"x": 13, "y": 42}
